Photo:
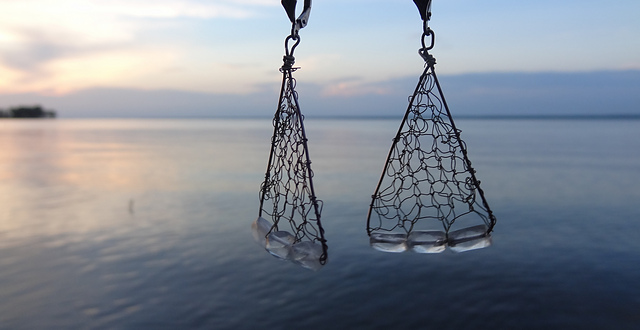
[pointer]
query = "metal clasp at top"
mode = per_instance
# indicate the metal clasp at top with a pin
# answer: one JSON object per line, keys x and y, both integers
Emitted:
{"x": 302, "y": 20}
{"x": 424, "y": 7}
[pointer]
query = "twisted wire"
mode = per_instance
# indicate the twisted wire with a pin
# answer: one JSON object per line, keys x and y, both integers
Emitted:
{"x": 287, "y": 194}
{"x": 428, "y": 180}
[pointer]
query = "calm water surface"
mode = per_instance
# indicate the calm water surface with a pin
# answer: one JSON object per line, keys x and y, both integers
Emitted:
{"x": 144, "y": 224}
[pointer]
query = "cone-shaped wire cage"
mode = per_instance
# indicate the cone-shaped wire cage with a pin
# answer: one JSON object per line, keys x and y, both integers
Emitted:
{"x": 288, "y": 224}
{"x": 428, "y": 196}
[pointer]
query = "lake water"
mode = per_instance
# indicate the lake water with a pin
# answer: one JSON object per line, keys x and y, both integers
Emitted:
{"x": 145, "y": 224}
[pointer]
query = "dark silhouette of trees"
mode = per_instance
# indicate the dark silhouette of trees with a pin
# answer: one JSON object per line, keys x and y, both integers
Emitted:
{"x": 35, "y": 111}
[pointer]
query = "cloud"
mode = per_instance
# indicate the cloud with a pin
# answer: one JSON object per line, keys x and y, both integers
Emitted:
{"x": 90, "y": 23}
{"x": 40, "y": 38}
{"x": 175, "y": 8}
{"x": 493, "y": 94}
{"x": 350, "y": 87}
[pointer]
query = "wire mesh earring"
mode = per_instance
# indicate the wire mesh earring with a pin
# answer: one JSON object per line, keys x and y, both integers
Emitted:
{"x": 287, "y": 197}
{"x": 428, "y": 197}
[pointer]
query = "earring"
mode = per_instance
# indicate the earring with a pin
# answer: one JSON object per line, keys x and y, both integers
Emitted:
{"x": 287, "y": 197}
{"x": 428, "y": 188}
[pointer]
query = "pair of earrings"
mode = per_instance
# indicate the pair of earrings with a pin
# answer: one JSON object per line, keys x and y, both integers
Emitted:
{"x": 426, "y": 186}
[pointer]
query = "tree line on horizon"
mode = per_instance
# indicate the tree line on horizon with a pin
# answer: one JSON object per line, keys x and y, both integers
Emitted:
{"x": 35, "y": 111}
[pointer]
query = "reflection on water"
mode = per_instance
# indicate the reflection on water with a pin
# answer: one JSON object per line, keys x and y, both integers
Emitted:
{"x": 144, "y": 224}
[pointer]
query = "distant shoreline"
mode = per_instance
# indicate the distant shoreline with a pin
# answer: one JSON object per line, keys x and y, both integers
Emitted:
{"x": 27, "y": 112}
{"x": 387, "y": 117}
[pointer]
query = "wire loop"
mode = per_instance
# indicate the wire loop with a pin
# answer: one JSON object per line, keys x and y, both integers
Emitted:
{"x": 428, "y": 33}
{"x": 288, "y": 57}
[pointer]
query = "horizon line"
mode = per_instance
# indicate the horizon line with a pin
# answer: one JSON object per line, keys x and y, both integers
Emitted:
{"x": 374, "y": 117}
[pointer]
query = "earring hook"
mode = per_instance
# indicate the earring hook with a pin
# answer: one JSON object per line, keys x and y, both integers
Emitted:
{"x": 302, "y": 20}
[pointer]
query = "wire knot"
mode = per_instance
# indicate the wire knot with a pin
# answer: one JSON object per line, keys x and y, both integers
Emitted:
{"x": 428, "y": 58}
{"x": 289, "y": 61}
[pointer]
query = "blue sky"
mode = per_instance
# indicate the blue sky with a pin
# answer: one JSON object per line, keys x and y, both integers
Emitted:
{"x": 65, "y": 53}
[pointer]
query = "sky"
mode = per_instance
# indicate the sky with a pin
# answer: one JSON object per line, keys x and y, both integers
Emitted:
{"x": 221, "y": 57}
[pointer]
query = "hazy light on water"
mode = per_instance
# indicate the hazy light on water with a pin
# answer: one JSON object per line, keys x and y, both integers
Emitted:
{"x": 146, "y": 223}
